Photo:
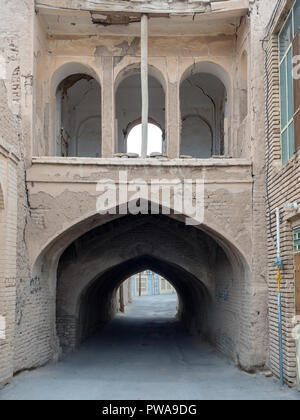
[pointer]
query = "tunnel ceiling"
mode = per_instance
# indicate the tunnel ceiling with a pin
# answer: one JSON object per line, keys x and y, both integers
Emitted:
{"x": 138, "y": 232}
{"x": 133, "y": 243}
{"x": 93, "y": 267}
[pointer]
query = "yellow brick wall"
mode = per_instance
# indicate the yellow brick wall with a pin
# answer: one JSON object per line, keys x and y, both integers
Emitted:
{"x": 284, "y": 187}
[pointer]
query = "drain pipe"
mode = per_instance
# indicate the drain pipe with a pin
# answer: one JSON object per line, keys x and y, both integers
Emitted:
{"x": 278, "y": 264}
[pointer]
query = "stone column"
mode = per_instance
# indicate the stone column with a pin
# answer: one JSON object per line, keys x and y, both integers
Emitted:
{"x": 173, "y": 123}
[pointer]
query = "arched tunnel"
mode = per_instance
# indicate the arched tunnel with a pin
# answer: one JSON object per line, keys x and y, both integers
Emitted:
{"x": 209, "y": 278}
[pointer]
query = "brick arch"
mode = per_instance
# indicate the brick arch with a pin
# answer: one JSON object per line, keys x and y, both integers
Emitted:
{"x": 46, "y": 267}
{"x": 57, "y": 244}
{"x": 180, "y": 253}
{"x": 188, "y": 288}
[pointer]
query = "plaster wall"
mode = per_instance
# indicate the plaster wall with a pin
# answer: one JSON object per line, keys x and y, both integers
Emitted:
{"x": 53, "y": 184}
{"x": 171, "y": 57}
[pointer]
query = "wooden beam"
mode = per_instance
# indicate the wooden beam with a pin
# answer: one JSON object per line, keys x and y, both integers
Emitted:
{"x": 144, "y": 83}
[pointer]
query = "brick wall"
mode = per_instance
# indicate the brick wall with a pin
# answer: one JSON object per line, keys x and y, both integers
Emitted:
{"x": 284, "y": 186}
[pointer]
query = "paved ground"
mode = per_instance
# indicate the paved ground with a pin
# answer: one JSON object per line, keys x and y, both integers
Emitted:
{"x": 144, "y": 354}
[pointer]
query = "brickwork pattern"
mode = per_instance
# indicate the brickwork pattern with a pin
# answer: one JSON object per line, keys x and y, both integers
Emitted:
{"x": 284, "y": 187}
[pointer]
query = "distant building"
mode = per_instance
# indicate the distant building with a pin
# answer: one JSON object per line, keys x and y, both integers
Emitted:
{"x": 148, "y": 283}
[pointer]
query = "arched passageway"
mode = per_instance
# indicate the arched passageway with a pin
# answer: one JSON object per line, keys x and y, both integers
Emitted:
{"x": 129, "y": 104}
{"x": 209, "y": 280}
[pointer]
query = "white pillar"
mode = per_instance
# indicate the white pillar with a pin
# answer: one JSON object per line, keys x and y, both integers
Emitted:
{"x": 144, "y": 83}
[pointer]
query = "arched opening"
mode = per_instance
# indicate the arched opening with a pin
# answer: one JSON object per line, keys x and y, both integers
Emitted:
{"x": 203, "y": 102}
{"x": 134, "y": 139}
{"x": 78, "y": 116}
{"x": 129, "y": 108}
{"x": 208, "y": 279}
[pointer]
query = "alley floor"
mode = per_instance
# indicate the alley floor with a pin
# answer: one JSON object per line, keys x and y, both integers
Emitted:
{"x": 144, "y": 354}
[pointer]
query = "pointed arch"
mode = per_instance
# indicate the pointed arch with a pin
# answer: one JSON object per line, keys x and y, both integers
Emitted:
{"x": 206, "y": 253}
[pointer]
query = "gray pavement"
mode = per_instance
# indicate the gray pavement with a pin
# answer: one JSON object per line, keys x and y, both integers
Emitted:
{"x": 144, "y": 354}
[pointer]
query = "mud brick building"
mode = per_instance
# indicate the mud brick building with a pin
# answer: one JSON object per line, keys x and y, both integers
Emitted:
{"x": 74, "y": 81}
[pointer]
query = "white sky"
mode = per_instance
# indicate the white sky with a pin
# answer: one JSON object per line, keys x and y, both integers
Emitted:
{"x": 134, "y": 140}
